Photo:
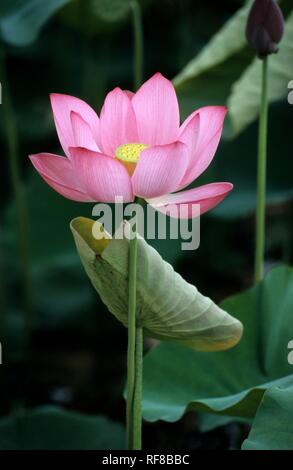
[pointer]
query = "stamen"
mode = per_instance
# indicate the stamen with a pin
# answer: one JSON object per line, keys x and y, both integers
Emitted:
{"x": 129, "y": 154}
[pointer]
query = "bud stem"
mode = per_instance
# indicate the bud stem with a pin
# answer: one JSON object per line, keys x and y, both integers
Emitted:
{"x": 261, "y": 176}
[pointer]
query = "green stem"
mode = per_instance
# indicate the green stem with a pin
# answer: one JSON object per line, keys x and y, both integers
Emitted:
{"x": 137, "y": 421}
{"x": 261, "y": 177}
{"x": 131, "y": 366}
{"x": 134, "y": 358}
{"x": 138, "y": 44}
{"x": 135, "y": 332}
{"x": 21, "y": 210}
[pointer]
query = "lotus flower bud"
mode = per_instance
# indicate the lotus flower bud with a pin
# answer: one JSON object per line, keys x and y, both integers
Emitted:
{"x": 265, "y": 27}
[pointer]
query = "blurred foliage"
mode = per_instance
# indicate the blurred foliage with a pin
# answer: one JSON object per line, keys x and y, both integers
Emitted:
{"x": 229, "y": 40}
{"x": 273, "y": 425}
{"x": 176, "y": 379}
{"x": 21, "y": 21}
{"x": 50, "y": 428}
{"x": 111, "y": 10}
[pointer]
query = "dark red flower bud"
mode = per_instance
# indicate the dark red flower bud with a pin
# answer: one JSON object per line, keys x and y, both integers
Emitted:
{"x": 265, "y": 27}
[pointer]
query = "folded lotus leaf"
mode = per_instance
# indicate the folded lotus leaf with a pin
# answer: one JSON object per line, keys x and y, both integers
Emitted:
{"x": 168, "y": 307}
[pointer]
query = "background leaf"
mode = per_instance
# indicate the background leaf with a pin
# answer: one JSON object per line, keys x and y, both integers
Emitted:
{"x": 272, "y": 427}
{"x": 23, "y": 23}
{"x": 50, "y": 214}
{"x": 51, "y": 428}
{"x": 226, "y": 42}
{"x": 111, "y": 10}
{"x": 231, "y": 382}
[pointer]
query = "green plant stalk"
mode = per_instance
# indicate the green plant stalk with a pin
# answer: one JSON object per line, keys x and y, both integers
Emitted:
{"x": 21, "y": 209}
{"x": 138, "y": 389}
{"x": 131, "y": 417}
{"x": 261, "y": 177}
{"x": 134, "y": 358}
{"x": 138, "y": 44}
{"x": 135, "y": 332}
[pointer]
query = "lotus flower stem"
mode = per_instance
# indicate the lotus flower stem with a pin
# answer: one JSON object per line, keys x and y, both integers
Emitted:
{"x": 138, "y": 44}
{"x": 21, "y": 209}
{"x": 261, "y": 177}
{"x": 138, "y": 388}
{"x": 133, "y": 413}
{"x": 135, "y": 333}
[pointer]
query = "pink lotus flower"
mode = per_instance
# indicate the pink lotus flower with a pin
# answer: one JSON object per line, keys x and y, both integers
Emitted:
{"x": 136, "y": 148}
